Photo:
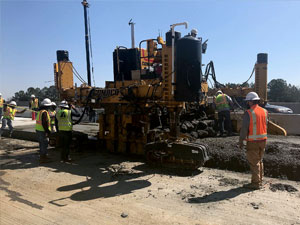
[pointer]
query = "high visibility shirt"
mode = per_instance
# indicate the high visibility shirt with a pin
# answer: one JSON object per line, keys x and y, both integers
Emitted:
{"x": 52, "y": 117}
{"x": 10, "y": 113}
{"x": 39, "y": 122}
{"x": 64, "y": 119}
{"x": 221, "y": 102}
{"x": 258, "y": 123}
{"x": 34, "y": 103}
{"x": 1, "y": 102}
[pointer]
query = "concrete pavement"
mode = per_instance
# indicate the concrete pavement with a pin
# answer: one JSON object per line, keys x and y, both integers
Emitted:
{"x": 24, "y": 128}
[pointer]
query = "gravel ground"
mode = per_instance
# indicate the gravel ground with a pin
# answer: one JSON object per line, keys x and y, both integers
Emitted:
{"x": 281, "y": 159}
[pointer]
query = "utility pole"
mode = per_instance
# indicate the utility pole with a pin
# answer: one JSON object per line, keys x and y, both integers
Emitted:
{"x": 87, "y": 44}
{"x": 131, "y": 23}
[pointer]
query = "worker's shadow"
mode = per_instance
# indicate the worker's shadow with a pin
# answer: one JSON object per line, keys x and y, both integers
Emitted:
{"x": 105, "y": 177}
{"x": 104, "y": 186}
{"x": 220, "y": 195}
{"x": 107, "y": 191}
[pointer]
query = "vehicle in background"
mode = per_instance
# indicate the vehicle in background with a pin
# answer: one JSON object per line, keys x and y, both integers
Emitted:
{"x": 278, "y": 109}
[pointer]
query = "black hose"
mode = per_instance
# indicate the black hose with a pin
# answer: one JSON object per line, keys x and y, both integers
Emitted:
{"x": 250, "y": 75}
{"x": 86, "y": 106}
{"x": 210, "y": 70}
{"x": 236, "y": 102}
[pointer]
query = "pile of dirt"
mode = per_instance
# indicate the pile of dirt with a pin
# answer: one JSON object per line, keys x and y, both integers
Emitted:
{"x": 282, "y": 187}
{"x": 281, "y": 159}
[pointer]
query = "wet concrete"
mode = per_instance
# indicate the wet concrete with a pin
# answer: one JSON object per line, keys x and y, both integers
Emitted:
{"x": 281, "y": 159}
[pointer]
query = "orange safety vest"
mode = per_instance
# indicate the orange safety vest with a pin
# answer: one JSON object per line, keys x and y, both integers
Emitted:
{"x": 258, "y": 123}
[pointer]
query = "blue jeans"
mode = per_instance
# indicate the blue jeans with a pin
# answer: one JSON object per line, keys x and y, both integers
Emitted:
{"x": 1, "y": 111}
{"x": 224, "y": 121}
{"x": 43, "y": 142}
{"x": 7, "y": 122}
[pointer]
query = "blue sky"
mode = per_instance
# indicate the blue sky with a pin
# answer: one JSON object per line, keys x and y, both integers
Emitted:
{"x": 32, "y": 31}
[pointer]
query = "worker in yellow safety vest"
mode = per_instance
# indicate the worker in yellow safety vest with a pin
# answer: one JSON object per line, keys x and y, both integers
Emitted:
{"x": 9, "y": 115}
{"x": 254, "y": 132}
{"x": 223, "y": 104}
{"x": 64, "y": 126}
{"x": 52, "y": 114}
{"x": 33, "y": 105}
{"x": 1, "y": 106}
{"x": 43, "y": 129}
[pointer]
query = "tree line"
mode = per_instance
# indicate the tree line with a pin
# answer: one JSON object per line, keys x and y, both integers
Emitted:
{"x": 278, "y": 91}
{"x": 46, "y": 92}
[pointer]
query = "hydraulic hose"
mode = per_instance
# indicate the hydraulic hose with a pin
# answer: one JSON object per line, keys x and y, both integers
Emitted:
{"x": 86, "y": 106}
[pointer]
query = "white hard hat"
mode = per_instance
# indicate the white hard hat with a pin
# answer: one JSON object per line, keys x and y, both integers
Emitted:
{"x": 64, "y": 104}
{"x": 194, "y": 31}
{"x": 53, "y": 103}
{"x": 13, "y": 103}
{"x": 0, "y": 94}
{"x": 219, "y": 92}
{"x": 32, "y": 96}
{"x": 252, "y": 96}
{"x": 46, "y": 102}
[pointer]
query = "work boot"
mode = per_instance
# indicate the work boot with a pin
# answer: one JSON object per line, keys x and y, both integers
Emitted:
{"x": 253, "y": 186}
{"x": 221, "y": 135}
{"x": 45, "y": 159}
{"x": 68, "y": 160}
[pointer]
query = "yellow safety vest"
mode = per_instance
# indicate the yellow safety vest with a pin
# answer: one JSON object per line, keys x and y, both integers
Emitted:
{"x": 64, "y": 119}
{"x": 221, "y": 102}
{"x": 10, "y": 113}
{"x": 38, "y": 124}
{"x": 52, "y": 117}
{"x": 34, "y": 103}
{"x": 1, "y": 102}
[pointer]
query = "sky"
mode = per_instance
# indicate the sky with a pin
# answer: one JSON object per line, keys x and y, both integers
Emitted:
{"x": 237, "y": 30}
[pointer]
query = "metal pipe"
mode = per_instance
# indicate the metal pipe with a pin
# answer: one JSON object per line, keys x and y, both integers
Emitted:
{"x": 87, "y": 44}
{"x": 131, "y": 24}
{"x": 173, "y": 49}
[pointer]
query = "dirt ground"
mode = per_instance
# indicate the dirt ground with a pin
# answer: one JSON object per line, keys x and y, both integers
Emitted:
{"x": 99, "y": 188}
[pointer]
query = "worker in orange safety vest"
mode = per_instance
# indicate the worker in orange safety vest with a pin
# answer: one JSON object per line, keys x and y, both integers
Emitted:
{"x": 254, "y": 132}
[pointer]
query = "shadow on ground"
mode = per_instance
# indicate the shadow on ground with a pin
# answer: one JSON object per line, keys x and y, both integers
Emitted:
{"x": 106, "y": 174}
{"x": 220, "y": 195}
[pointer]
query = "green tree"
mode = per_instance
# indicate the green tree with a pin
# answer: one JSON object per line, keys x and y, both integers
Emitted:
{"x": 46, "y": 92}
{"x": 280, "y": 91}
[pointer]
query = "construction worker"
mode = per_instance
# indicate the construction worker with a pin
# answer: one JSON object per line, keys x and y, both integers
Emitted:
{"x": 254, "y": 131}
{"x": 194, "y": 32}
{"x": 52, "y": 114}
{"x": 43, "y": 129}
{"x": 9, "y": 115}
{"x": 223, "y": 103}
{"x": 64, "y": 126}
{"x": 1, "y": 106}
{"x": 33, "y": 105}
